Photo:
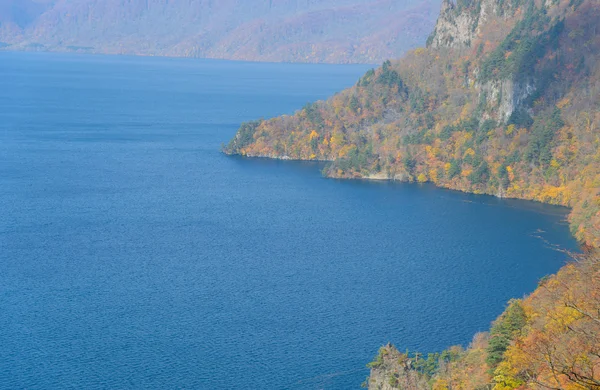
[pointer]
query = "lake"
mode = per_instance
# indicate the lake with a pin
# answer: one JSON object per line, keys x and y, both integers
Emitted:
{"x": 135, "y": 255}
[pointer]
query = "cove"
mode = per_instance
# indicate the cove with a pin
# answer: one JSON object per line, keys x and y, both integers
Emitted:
{"x": 134, "y": 254}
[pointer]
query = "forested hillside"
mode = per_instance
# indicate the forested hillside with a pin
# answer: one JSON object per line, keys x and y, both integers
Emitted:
{"x": 548, "y": 340}
{"x": 335, "y": 31}
{"x": 512, "y": 111}
{"x": 505, "y": 100}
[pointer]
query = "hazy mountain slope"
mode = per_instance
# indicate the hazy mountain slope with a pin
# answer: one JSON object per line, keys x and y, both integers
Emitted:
{"x": 505, "y": 100}
{"x": 15, "y": 15}
{"x": 265, "y": 30}
{"x": 21, "y": 13}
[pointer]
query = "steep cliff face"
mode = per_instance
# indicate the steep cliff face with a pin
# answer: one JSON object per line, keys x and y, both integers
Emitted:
{"x": 454, "y": 28}
{"x": 461, "y": 24}
{"x": 337, "y": 31}
{"x": 505, "y": 97}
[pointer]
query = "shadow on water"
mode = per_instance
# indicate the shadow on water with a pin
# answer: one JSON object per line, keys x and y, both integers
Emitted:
{"x": 295, "y": 167}
{"x": 315, "y": 168}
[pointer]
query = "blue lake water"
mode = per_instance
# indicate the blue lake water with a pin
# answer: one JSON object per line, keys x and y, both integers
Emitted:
{"x": 134, "y": 255}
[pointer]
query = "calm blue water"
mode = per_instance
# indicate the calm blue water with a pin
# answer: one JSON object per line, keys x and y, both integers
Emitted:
{"x": 135, "y": 255}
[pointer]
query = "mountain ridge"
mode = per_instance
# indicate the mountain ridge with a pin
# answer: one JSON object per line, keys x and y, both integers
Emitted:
{"x": 332, "y": 31}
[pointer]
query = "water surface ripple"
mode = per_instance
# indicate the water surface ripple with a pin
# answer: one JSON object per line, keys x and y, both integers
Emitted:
{"x": 135, "y": 255}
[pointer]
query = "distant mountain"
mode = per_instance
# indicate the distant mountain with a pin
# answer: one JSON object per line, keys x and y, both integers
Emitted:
{"x": 334, "y": 31}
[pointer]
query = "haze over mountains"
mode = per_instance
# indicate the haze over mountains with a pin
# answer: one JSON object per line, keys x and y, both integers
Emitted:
{"x": 334, "y": 31}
